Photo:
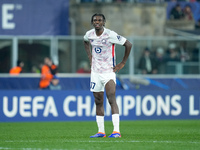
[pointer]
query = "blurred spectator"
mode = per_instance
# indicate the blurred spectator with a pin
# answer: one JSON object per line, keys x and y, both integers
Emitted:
{"x": 34, "y": 69}
{"x": 197, "y": 25}
{"x": 176, "y": 13}
{"x": 147, "y": 63}
{"x": 160, "y": 60}
{"x": 40, "y": 66}
{"x": 18, "y": 69}
{"x": 195, "y": 53}
{"x": 53, "y": 68}
{"x": 46, "y": 75}
{"x": 188, "y": 13}
{"x": 172, "y": 54}
{"x": 184, "y": 55}
{"x": 84, "y": 67}
{"x": 55, "y": 84}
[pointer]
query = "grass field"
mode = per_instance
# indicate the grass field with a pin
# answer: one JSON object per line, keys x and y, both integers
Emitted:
{"x": 137, "y": 135}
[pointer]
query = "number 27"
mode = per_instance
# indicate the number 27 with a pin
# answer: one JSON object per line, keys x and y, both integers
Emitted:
{"x": 92, "y": 85}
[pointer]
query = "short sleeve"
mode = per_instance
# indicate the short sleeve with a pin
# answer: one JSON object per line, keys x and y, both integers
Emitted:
{"x": 117, "y": 39}
{"x": 85, "y": 37}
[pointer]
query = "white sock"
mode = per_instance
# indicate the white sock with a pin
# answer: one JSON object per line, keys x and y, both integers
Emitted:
{"x": 100, "y": 123}
{"x": 115, "y": 120}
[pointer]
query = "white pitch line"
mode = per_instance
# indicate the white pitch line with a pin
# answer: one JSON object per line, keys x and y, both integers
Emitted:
{"x": 71, "y": 141}
{"x": 7, "y": 148}
{"x": 24, "y": 141}
{"x": 115, "y": 141}
{"x": 146, "y": 142}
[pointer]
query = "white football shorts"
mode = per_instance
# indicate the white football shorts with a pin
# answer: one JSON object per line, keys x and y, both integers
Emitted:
{"x": 99, "y": 80}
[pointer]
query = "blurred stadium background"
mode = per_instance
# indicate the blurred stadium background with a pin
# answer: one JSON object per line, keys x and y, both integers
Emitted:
{"x": 31, "y": 30}
{"x": 34, "y": 119}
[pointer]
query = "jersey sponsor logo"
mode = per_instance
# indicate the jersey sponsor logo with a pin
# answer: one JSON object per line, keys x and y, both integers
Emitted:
{"x": 119, "y": 37}
{"x": 97, "y": 49}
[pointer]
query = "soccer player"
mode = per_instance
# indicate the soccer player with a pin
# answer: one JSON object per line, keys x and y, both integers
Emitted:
{"x": 103, "y": 68}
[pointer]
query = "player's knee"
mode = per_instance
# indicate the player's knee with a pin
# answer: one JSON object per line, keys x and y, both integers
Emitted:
{"x": 98, "y": 101}
{"x": 112, "y": 99}
{"x": 110, "y": 95}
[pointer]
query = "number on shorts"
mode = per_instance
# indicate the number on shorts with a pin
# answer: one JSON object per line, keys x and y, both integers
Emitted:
{"x": 92, "y": 85}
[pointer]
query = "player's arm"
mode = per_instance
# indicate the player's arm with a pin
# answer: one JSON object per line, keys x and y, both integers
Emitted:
{"x": 119, "y": 66}
{"x": 88, "y": 50}
{"x": 128, "y": 47}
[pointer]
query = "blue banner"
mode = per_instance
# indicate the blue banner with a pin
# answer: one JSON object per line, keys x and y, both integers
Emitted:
{"x": 78, "y": 105}
{"x": 34, "y": 17}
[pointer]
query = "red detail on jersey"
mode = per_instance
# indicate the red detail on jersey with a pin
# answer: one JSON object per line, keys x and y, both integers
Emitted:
{"x": 113, "y": 50}
{"x": 113, "y": 54}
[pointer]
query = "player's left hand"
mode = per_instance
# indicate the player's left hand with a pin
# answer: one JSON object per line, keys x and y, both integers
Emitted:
{"x": 118, "y": 67}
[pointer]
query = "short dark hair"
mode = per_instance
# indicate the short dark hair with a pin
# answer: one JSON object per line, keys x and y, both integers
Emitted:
{"x": 98, "y": 14}
{"x": 18, "y": 62}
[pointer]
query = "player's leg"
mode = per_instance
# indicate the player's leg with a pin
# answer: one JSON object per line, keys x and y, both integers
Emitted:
{"x": 99, "y": 98}
{"x": 110, "y": 93}
{"x": 98, "y": 91}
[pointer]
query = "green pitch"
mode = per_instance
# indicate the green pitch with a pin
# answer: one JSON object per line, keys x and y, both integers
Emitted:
{"x": 137, "y": 135}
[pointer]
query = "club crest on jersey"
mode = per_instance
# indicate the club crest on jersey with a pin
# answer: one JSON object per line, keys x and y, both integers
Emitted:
{"x": 103, "y": 41}
{"x": 119, "y": 37}
{"x": 91, "y": 41}
{"x": 97, "y": 49}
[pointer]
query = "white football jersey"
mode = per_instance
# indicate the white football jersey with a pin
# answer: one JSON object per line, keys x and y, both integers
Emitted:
{"x": 103, "y": 49}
